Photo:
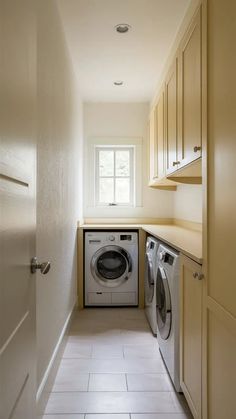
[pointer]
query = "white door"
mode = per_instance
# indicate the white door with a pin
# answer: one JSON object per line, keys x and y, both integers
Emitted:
{"x": 17, "y": 200}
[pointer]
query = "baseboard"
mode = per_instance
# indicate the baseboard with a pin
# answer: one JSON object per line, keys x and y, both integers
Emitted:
{"x": 39, "y": 395}
{"x": 80, "y": 222}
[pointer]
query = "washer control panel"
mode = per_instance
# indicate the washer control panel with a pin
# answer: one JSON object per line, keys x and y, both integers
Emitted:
{"x": 120, "y": 238}
{"x": 126, "y": 237}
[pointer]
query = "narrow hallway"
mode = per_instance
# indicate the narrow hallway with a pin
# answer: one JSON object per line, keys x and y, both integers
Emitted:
{"x": 111, "y": 368}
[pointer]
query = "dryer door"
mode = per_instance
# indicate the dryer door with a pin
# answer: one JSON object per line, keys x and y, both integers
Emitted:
{"x": 111, "y": 266}
{"x": 163, "y": 304}
{"x": 149, "y": 280}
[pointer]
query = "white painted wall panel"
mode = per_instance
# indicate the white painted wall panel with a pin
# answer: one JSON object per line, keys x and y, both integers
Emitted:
{"x": 123, "y": 120}
{"x": 188, "y": 203}
{"x": 59, "y": 181}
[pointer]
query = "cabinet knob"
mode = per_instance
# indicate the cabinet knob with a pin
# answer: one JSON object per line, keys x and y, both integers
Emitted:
{"x": 175, "y": 163}
{"x": 197, "y": 148}
{"x": 198, "y": 276}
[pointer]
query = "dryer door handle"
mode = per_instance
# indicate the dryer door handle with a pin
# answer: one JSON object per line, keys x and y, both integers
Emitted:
{"x": 162, "y": 255}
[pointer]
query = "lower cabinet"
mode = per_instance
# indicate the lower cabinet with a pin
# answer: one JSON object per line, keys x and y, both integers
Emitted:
{"x": 191, "y": 334}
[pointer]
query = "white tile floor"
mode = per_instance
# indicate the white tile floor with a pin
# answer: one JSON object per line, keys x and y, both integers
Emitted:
{"x": 112, "y": 369}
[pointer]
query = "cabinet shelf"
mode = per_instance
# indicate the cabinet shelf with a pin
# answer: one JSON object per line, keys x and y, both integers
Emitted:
{"x": 163, "y": 186}
{"x": 191, "y": 174}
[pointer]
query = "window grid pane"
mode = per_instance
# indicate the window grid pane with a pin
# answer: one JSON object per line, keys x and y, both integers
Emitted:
{"x": 106, "y": 190}
{"x": 122, "y": 163}
{"x": 122, "y": 190}
{"x": 106, "y": 163}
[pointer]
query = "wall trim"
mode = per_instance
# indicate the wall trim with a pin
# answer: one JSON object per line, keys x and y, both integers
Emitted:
{"x": 54, "y": 354}
{"x": 190, "y": 225}
{"x": 139, "y": 220}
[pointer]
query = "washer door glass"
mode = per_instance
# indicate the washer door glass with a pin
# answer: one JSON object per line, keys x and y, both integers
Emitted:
{"x": 163, "y": 304}
{"x": 149, "y": 280}
{"x": 111, "y": 266}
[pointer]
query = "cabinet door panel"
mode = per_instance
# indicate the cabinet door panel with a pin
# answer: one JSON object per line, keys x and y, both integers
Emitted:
{"x": 220, "y": 336}
{"x": 221, "y": 367}
{"x": 191, "y": 331}
{"x": 190, "y": 104}
{"x": 152, "y": 147}
{"x": 160, "y": 137}
{"x": 171, "y": 119}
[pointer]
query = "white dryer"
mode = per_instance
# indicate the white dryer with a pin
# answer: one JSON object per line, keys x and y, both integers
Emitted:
{"x": 111, "y": 268}
{"x": 150, "y": 282}
{"x": 167, "y": 310}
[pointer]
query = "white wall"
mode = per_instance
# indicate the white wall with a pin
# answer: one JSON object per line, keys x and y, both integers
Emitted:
{"x": 188, "y": 203}
{"x": 124, "y": 120}
{"x": 59, "y": 181}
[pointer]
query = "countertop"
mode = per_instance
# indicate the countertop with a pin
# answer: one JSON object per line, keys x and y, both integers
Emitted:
{"x": 188, "y": 242}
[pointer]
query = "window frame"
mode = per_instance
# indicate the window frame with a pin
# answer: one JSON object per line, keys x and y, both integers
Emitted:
{"x": 91, "y": 142}
{"x": 131, "y": 177}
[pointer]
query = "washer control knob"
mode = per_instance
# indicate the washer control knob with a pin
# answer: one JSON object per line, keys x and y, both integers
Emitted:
{"x": 112, "y": 238}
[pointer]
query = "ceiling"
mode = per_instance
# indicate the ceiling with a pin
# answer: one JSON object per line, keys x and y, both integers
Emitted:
{"x": 100, "y": 55}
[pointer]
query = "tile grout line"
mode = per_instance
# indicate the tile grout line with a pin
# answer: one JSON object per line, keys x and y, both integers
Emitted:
{"x": 88, "y": 382}
{"x": 116, "y": 391}
{"x": 91, "y": 351}
{"x": 126, "y": 379}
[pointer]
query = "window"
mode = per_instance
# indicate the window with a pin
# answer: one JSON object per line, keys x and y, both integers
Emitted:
{"x": 96, "y": 198}
{"x": 114, "y": 175}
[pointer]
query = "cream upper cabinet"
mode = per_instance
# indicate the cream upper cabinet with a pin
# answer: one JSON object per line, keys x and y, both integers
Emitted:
{"x": 160, "y": 131}
{"x": 157, "y": 149}
{"x": 156, "y": 141}
{"x": 191, "y": 333}
{"x": 152, "y": 147}
{"x": 189, "y": 94}
{"x": 179, "y": 131}
{"x": 171, "y": 91}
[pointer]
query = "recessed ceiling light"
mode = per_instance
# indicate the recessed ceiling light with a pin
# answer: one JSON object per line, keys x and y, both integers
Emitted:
{"x": 122, "y": 28}
{"x": 118, "y": 83}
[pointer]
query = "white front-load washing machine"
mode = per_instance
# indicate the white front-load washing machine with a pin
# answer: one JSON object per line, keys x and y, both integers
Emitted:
{"x": 111, "y": 268}
{"x": 150, "y": 282}
{"x": 167, "y": 310}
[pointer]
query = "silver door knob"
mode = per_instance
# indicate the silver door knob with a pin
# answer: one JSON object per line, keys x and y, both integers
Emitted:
{"x": 197, "y": 148}
{"x": 43, "y": 267}
{"x": 175, "y": 163}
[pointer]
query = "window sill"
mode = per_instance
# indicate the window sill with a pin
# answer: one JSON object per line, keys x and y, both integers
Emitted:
{"x": 114, "y": 206}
